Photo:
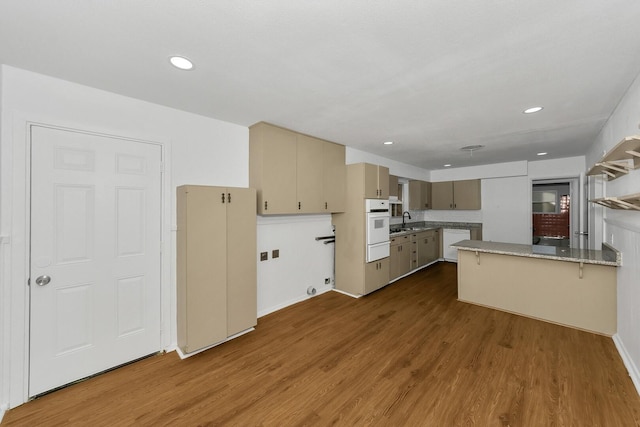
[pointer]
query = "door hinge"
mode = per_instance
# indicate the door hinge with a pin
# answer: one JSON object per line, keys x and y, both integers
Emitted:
{"x": 29, "y": 281}
{"x": 161, "y": 167}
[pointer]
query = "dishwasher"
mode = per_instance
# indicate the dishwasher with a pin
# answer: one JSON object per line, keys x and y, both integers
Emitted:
{"x": 449, "y": 237}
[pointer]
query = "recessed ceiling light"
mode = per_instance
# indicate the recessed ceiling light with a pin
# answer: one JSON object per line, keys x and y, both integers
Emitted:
{"x": 388, "y": 143}
{"x": 532, "y": 110}
{"x": 543, "y": 153}
{"x": 447, "y": 165}
{"x": 181, "y": 62}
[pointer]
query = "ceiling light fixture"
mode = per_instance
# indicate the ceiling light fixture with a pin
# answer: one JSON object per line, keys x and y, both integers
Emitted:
{"x": 181, "y": 62}
{"x": 543, "y": 153}
{"x": 388, "y": 143}
{"x": 532, "y": 110}
{"x": 471, "y": 148}
{"x": 447, "y": 165}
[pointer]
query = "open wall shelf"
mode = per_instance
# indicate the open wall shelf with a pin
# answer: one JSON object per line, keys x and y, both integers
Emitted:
{"x": 622, "y": 159}
{"x": 630, "y": 202}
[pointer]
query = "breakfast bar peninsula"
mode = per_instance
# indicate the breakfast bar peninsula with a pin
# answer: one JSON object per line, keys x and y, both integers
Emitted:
{"x": 571, "y": 287}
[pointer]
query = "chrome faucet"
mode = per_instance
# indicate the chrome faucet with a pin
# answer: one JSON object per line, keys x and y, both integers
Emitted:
{"x": 403, "y": 214}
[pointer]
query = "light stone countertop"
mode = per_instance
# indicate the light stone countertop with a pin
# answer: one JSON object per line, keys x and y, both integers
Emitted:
{"x": 419, "y": 226}
{"x": 608, "y": 256}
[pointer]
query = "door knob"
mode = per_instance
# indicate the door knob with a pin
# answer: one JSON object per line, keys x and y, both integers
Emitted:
{"x": 43, "y": 280}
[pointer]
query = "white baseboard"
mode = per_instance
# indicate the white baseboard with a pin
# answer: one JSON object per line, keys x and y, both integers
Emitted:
{"x": 634, "y": 373}
{"x": 347, "y": 293}
{"x": 185, "y": 355}
{"x": 292, "y": 302}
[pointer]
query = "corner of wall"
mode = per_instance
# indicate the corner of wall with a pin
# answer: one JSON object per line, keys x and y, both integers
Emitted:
{"x": 3, "y": 409}
{"x": 633, "y": 370}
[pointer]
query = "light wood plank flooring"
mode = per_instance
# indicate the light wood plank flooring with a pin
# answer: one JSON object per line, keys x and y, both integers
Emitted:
{"x": 407, "y": 355}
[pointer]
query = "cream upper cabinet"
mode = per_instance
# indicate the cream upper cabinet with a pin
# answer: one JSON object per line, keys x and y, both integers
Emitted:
{"x": 466, "y": 194}
{"x": 393, "y": 186}
{"x": 460, "y": 195}
{"x": 426, "y": 195}
{"x": 295, "y": 173}
{"x": 335, "y": 177}
{"x": 376, "y": 181}
{"x": 419, "y": 195}
{"x": 310, "y": 173}
{"x": 442, "y": 195}
{"x": 383, "y": 182}
{"x": 272, "y": 168}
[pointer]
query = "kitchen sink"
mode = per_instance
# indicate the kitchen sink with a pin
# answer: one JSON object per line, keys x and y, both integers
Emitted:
{"x": 394, "y": 231}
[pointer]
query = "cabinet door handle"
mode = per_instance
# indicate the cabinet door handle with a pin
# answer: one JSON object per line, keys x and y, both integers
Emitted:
{"x": 326, "y": 205}
{"x": 299, "y": 205}
{"x": 222, "y": 197}
{"x": 229, "y": 197}
{"x": 265, "y": 205}
{"x": 450, "y": 205}
{"x": 454, "y": 206}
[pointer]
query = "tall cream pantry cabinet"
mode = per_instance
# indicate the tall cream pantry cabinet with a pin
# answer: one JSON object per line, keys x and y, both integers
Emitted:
{"x": 354, "y": 275}
{"x": 216, "y": 264}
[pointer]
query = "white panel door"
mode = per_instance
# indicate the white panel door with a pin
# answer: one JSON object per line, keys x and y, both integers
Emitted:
{"x": 95, "y": 233}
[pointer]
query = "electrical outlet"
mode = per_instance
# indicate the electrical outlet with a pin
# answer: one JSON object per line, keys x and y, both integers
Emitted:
{"x": 275, "y": 253}
{"x": 264, "y": 256}
{"x": 327, "y": 280}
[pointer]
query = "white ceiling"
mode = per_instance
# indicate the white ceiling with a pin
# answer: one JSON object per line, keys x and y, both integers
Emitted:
{"x": 431, "y": 75}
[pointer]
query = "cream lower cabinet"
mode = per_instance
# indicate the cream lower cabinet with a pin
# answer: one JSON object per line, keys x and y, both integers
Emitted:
{"x": 428, "y": 246}
{"x": 216, "y": 264}
{"x": 413, "y": 251}
{"x": 400, "y": 256}
{"x": 376, "y": 275}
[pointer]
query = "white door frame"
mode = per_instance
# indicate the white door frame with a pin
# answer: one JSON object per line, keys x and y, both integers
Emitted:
{"x": 14, "y": 261}
{"x": 577, "y": 220}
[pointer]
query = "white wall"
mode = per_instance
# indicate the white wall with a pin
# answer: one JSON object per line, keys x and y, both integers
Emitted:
{"x": 622, "y": 228}
{"x": 303, "y": 261}
{"x": 504, "y": 210}
{"x": 395, "y": 168}
{"x": 506, "y": 195}
{"x": 199, "y": 150}
{"x": 496, "y": 170}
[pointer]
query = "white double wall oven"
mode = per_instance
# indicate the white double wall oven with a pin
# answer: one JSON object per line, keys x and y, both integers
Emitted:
{"x": 377, "y": 223}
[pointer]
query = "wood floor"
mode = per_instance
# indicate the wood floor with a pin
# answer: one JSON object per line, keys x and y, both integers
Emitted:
{"x": 407, "y": 355}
